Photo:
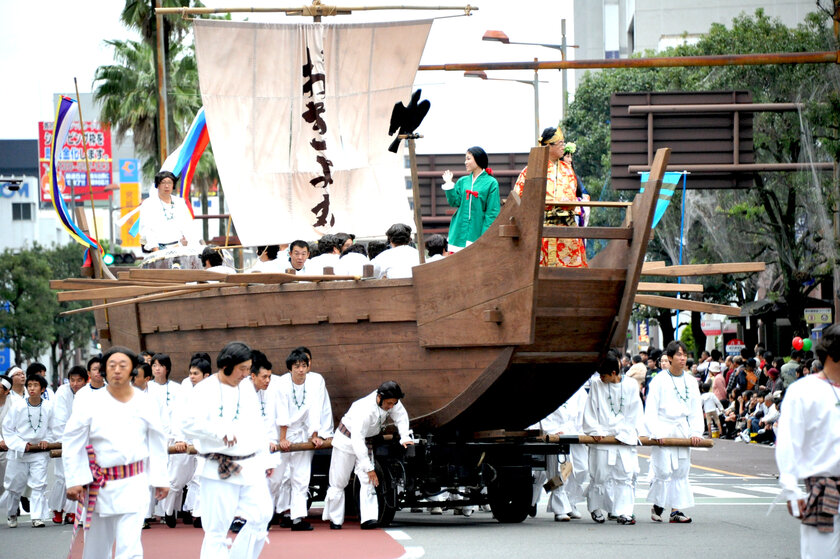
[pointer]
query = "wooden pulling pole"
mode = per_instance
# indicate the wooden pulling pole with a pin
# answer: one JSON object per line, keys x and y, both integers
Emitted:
{"x": 585, "y": 439}
{"x": 55, "y": 448}
{"x": 50, "y": 447}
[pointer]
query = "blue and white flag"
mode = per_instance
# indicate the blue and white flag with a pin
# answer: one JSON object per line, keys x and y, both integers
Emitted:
{"x": 670, "y": 179}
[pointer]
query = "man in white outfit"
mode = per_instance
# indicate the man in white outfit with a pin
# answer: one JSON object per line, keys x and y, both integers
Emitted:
{"x": 223, "y": 419}
{"x": 6, "y": 400}
{"x": 365, "y": 418}
{"x": 614, "y": 408}
{"x": 115, "y": 445}
{"x": 565, "y": 420}
{"x": 29, "y": 423}
{"x": 304, "y": 414}
{"x": 807, "y": 444}
{"x": 398, "y": 260}
{"x": 77, "y": 377}
{"x": 672, "y": 409}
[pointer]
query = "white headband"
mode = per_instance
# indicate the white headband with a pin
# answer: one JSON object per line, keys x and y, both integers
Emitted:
{"x": 6, "y": 383}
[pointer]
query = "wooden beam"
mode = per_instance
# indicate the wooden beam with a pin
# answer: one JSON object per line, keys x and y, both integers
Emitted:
{"x": 706, "y": 269}
{"x": 283, "y": 278}
{"x": 175, "y": 275}
{"x": 122, "y": 292}
{"x": 686, "y": 305}
{"x": 187, "y": 290}
{"x": 588, "y": 232}
{"x": 654, "y": 264}
{"x": 590, "y": 204}
{"x": 670, "y": 287}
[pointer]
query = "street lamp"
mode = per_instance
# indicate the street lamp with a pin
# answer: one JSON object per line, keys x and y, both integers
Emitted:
{"x": 501, "y": 37}
{"x": 535, "y": 83}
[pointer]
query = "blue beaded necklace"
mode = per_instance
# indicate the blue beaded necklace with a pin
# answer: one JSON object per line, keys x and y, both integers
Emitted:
{"x": 621, "y": 402}
{"x": 222, "y": 402}
{"x": 685, "y": 387}
{"x": 29, "y": 415}
{"x": 294, "y": 395}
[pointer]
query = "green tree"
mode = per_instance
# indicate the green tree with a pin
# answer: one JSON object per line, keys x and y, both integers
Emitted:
{"x": 30, "y": 304}
{"x": 73, "y": 331}
{"x": 780, "y": 220}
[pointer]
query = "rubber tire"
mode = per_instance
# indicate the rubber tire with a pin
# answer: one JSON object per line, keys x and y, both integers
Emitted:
{"x": 510, "y": 501}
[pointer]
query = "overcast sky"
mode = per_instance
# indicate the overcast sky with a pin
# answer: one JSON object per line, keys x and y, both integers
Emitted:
{"x": 44, "y": 44}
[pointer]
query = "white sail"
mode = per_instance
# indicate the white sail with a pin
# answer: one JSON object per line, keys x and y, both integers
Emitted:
{"x": 290, "y": 124}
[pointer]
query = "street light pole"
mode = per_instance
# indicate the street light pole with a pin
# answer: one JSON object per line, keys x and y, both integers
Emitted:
{"x": 535, "y": 83}
{"x": 501, "y": 37}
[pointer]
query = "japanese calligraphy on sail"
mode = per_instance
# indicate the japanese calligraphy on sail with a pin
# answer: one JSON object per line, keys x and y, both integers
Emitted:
{"x": 298, "y": 119}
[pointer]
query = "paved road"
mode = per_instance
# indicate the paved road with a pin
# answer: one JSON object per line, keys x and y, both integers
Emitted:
{"x": 734, "y": 485}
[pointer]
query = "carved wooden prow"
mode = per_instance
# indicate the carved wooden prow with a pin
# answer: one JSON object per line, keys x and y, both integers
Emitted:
{"x": 485, "y": 294}
{"x": 644, "y": 207}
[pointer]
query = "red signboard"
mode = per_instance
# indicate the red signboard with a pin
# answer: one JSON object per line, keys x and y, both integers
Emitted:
{"x": 72, "y": 173}
{"x": 711, "y": 327}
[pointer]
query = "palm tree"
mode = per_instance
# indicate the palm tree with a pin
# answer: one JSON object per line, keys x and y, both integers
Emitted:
{"x": 126, "y": 91}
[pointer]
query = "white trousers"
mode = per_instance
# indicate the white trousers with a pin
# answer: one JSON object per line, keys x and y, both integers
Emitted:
{"x": 612, "y": 479}
{"x": 122, "y": 530}
{"x": 57, "y": 498}
{"x": 669, "y": 487}
{"x": 564, "y": 499}
{"x": 181, "y": 470}
{"x": 3, "y": 462}
{"x": 814, "y": 544}
{"x": 296, "y": 470}
{"x": 280, "y": 486}
{"x": 33, "y": 474}
{"x": 342, "y": 465}
{"x": 220, "y": 502}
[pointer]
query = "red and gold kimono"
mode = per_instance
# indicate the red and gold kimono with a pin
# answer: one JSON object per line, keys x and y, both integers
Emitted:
{"x": 560, "y": 185}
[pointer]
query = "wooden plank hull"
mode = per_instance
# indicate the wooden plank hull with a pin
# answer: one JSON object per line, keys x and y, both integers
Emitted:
{"x": 483, "y": 339}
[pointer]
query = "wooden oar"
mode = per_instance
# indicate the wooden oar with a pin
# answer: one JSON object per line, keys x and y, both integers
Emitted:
{"x": 705, "y": 269}
{"x": 686, "y": 305}
{"x": 175, "y": 275}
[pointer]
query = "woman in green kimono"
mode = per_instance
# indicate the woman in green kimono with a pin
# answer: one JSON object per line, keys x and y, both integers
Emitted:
{"x": 476, "y": 195}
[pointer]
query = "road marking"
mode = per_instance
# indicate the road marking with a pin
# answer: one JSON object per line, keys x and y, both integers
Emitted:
{"x": 413, "y": 552}
{"x": 707, "y": 469}
{"x": 718, "y": 493}
{"x": 773, "y": 490}
{"x": 398, "y": 535}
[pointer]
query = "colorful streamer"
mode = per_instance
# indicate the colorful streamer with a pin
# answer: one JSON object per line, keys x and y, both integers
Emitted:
{"x": 65, "y": 114}
{"x": 183, "y": 161}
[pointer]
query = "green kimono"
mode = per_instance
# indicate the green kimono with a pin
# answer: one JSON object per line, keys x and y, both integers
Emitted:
{"x": 478, "y": 205}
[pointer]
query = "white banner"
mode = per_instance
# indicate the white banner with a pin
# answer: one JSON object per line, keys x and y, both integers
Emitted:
{"x": 298, "y": 120}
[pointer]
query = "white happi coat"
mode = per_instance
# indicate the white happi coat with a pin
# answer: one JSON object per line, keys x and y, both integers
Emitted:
{"x": 395, "y": 262}
{"x": 807, "y": 443}
{"x": 351, "y": 264}
{"x": 210, "y": 414}
{"x": 669, "y": 413}
{"x": 156, "y": 228}
{"x": 808, "y": 437}
{"x": 366, "y": 419}
{"x": 303, "y": 418}
{"x": 121, "y": 433}
{"x": 17, "y": 430}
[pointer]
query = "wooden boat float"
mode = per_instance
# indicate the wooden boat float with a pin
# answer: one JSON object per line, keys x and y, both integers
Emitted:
{"x": 483, "y": 339}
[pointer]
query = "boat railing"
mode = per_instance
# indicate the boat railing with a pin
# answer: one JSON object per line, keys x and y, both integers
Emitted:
{"x": 625, "y": 231}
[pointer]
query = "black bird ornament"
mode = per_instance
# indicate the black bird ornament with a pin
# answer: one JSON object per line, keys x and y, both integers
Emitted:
{"x": 405, "y": 120}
